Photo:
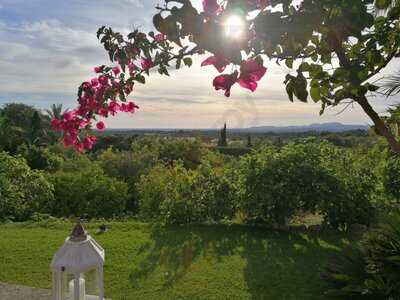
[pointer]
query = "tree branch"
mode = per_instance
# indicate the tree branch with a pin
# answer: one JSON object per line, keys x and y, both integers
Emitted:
{"x": 368, "y": 109}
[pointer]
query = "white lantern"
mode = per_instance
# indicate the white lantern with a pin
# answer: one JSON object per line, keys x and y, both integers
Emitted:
{"x": 77, "y": 268}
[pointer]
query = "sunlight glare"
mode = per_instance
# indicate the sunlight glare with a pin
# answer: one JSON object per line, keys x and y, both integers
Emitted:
{"x": 234, "y": 26}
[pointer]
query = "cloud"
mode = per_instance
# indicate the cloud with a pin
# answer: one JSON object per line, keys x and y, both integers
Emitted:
{"x": 44, "y": 59}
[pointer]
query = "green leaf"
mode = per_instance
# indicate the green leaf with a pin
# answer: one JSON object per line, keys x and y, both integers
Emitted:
{"x": 140, "y": 78}
{"x": 188, "y": 61}
{"x": 290, "y": 91}
{"x": 289, "y": 63}
{"x": 315, "y": 93}
{"x": 383, "y": 4}
{"x": 314, "y": 57}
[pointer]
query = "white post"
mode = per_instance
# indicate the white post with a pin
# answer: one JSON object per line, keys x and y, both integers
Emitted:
{"x": 56, "y": 286}
{"x": 100, "y": 278}
{"x": 77, "y": 286}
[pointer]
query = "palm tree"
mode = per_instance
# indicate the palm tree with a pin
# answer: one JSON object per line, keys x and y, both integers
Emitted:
{"x": 391, "y": 87}
{"x": 55, "y": 111}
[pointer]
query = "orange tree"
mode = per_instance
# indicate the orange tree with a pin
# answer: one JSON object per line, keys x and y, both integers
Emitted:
{"x": 334, "y": 49}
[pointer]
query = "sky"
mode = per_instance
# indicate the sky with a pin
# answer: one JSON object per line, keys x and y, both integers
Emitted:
{"x": 48, "y": 47}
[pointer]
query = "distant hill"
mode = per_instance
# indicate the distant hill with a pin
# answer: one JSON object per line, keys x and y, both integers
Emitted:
{"x": 317, "y": 127}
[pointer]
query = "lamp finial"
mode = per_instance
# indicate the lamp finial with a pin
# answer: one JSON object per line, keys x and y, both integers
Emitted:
{"x": 79, "y": 233}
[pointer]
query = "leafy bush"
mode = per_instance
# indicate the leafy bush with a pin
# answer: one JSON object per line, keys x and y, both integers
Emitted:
{"x": 151, "y": 190}
{"x": 128, "y": 166}
{"x": 372, "y": 269}
{"x": 392, "y": 177}
{"x": 176, "y": 195}
{"x": 215, "y": 189}
{"x": 22, "y": 191}
{"x": 40, "y": 158}
{"x": 88, "y": 193}
{"x": 188, "y": 151}
{"x": 275, "y": 184}
{"x": 353, "y": 191}
{"x": 165, "y": 194}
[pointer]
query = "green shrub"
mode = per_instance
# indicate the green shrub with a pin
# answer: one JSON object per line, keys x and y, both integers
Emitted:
{"x": 165, "y": 193}
{"x": 392, "y": 177}
{"x": 175, "y": 195}
{"x": 353, "y": 191}
{"x": 22, "y": 190}
{"x": 151, "y": 189}
{"x": 372, "y": 269}
{"x": 88, "y": 193}
{"x": 128, "y": 166}
{"x": 276, "y": 184}
{"x": 179, "y": 207}
{"x": 214, "y": 189}
{"x": 40, "y": 158}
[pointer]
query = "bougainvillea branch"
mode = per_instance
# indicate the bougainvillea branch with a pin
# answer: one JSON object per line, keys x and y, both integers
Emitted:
{"x": 331, "y": 48}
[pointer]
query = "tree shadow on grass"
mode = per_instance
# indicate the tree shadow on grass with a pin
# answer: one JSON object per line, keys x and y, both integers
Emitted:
{"x": 278, "y": 265}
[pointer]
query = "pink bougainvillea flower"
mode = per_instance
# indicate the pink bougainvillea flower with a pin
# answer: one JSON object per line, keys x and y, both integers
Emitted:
{"x": 218, "y": 61}
{"x": 87, "y": 85}
{"x": 225, "y": 82}
{"x": 100, "y": 125}
{"x": 88, "y": 142}
{"x": 250, "y": 72}
{"x": 131, "y": 67}
{"x": 96, "y": 97}
{"x": 116, "y": 71}
{"x": 160, "y": 37}
{"x": 56, "y": 124}
{"x": 83, "y": 123}
{"x": 69, "y": 139}
{"x": 94, "y": 82}
{"x": 131, "y": 107}
{"x": 113, "y": 107}
{"x": 68, "y": 116}
{"x": 98, "y": 69}
{"x": 103, "y": 80}
{"x": 146, "y": 63}
{"x": 79, "y": 147}
{"x": 211, "y": 7}
{"x": 103, "y": 112}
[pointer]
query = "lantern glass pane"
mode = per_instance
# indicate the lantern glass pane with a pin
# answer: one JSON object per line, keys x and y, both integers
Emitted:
{"x": 68, "y": 286}
{"x": 92, "y": 285}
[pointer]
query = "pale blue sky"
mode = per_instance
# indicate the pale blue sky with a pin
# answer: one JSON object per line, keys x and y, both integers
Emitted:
{"x": 48, "y": 47}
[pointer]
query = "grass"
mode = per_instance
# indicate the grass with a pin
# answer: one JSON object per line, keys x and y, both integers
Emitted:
{"x": 181, "y": 262}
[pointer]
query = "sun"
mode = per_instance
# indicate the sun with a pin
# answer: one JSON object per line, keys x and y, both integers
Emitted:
{"x": 234, "y": 26}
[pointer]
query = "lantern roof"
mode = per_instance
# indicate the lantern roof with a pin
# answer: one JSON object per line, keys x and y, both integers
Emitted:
{"x": 79, "y": 253}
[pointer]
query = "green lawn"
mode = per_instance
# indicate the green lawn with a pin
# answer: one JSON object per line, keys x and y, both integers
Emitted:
{"x": 182, "y": 262}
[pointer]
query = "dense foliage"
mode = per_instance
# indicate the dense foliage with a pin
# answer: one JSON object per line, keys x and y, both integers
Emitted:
{"x": 308, "y": 177}
{"x": 392, "y": 177}
{"x": 371, "y": 270}
{"x": 22, "y": 190}
{"x": 184, "y": 179}
{"x": 88, "y": 193}
{"x": 180, "y": 180}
